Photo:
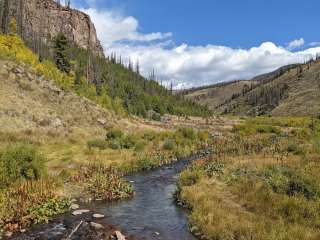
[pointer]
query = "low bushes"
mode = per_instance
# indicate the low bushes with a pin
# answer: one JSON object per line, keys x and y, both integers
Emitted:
{"x": 251, "y": 129}
{"x": 21, "y": 162}
{"x": 169, "y": 144}
{"x": 118, "y": 140}
{"x": 292, "y": 182}
{"x": 109, "y": 187}
{"x": 27, "y": 195}
{"x": 103, "y": 182}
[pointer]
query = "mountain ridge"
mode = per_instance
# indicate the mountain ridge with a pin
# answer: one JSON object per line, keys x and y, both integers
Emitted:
{"x": 274, "y": 93}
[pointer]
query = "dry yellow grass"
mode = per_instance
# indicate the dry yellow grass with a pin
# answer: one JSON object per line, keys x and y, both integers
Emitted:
{"x": 258, "y": 185}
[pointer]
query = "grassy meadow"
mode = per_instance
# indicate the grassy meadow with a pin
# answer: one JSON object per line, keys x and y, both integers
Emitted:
{"x": 262, "y": 182}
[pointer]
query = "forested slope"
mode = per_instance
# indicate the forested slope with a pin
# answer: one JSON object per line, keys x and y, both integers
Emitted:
{"x": 292, "y": 90}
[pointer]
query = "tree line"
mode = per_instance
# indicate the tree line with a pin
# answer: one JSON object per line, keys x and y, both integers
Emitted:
{"x": 110, "y": 77}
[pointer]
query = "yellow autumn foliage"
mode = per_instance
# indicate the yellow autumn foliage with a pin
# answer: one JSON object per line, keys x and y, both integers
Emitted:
{"x": 13, "y": 48}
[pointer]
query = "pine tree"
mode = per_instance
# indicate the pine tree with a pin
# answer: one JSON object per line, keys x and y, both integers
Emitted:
{"x": 20, "y": 17}
{"x": 130, "y": 67}
{"x": 61, "y": 46}
{"x": 5, "y": 16}
{"x": 137, "y": 68}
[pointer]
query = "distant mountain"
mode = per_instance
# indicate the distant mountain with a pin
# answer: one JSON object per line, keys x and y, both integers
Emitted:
{"x": 290, "y": 90}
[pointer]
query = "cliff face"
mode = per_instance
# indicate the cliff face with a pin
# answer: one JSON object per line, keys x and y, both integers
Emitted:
{"x": 44, "y": 19}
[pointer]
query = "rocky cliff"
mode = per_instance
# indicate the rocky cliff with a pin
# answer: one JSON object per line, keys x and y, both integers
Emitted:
{"x": 44, "y": 19}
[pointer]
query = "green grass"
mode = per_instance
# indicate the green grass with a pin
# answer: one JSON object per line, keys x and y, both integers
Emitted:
{"x": 263, "y": 174}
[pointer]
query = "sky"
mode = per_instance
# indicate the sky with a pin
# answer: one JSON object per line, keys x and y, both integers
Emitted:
{"x": 194, "y": 43}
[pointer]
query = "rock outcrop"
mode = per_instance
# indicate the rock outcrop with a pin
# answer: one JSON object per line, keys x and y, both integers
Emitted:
{"x": 42, "y": 20}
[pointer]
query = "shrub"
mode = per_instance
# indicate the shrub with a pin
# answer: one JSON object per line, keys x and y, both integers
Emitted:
{"x": 267, "y": 129}
{"x": 97, "y": 143}
{"x": 149, "y": 136}
{"x": 109, "y": 186}
{"x": 188, "y": 133}
{"x": 291, "y": 182}
{"x": 114, "y": 134}
{"x": 295, "y": 149}
{"x": 203, "y": 136}
{"x": 145, "y": 163}
{"x": 169, "y": 144}
{"x": 115, "y": 144}
{"x": 21, "y": 162}
{"x": 117, "y": 140}
{"x": 139, "y": 147}
{"x": 128, "y": 142}
{"x": 189, "y": 177}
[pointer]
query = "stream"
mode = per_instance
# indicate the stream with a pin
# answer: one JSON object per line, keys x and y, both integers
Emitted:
{"x": 151, "y": 214}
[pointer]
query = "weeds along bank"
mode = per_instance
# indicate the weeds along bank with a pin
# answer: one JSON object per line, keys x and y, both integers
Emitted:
{"x": 31, "y": 193}
{"x": 262, "y": 182}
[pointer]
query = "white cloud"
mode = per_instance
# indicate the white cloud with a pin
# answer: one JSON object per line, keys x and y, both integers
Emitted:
{"x": 296, "y": 44}
{"x": 188, "y": 66}
{"x": 112, "y": 27}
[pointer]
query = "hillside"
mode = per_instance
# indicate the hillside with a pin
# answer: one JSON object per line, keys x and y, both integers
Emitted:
{"x": 68, "y": 38}
{"x": 215, "y": 95}
{"x": 292, "y": 90}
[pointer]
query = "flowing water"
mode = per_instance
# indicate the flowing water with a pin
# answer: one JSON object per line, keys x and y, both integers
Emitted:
{"x": 150, "y": 214}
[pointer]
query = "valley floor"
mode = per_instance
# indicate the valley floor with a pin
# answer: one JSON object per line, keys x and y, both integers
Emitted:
{"x": 262, "y": 182}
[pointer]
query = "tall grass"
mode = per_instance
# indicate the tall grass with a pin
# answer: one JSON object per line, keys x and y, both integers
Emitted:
{"x": 262, "y": 183}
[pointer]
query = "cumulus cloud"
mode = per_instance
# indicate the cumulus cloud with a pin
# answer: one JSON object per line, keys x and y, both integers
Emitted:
{"x": 297, "y": 43}
{"x": 186, "y": 65}
{"x": 189, "y": 66}
{"x": 112, "y": 27}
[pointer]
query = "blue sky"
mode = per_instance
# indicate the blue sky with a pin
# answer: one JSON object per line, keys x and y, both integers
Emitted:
{"x": 193, "y": 43}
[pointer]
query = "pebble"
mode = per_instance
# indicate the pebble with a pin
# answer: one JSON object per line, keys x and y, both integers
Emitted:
{"x": 97, "y": 226}
{"x": 97, "y": 215}
{"x": 74, "y": 206}
{"x": 120, "y": 236}
{"x": 8, "y": 234}
{"x": 79, "y": 212}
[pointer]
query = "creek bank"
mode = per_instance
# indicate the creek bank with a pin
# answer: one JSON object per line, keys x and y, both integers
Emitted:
{"x": 151, "y": 214}
{"x": 74, "y": 227}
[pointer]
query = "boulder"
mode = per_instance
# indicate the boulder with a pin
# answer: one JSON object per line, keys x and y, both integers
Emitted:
{"x": 80, "y": 212}
{"x": 56, "y": 123}
{"x": 97, "y": 215}
{"x": 102, "y": 121}
{"x": 96, "y": 226}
